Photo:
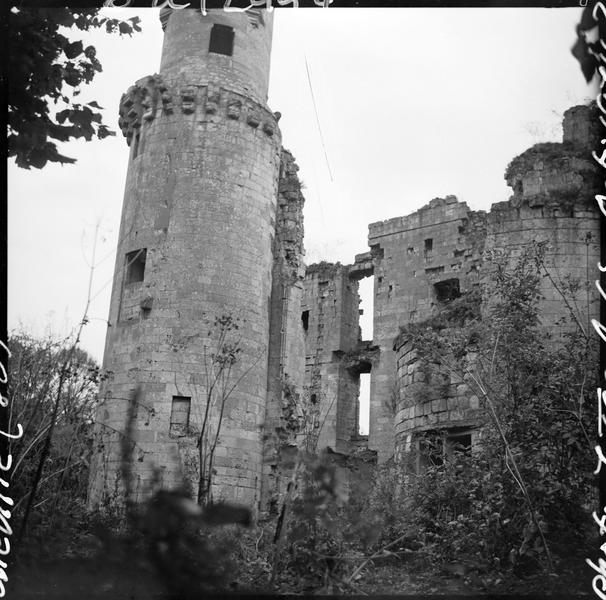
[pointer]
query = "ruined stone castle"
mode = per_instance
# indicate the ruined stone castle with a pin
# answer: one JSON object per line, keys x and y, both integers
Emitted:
{"x": 212, "y": 227}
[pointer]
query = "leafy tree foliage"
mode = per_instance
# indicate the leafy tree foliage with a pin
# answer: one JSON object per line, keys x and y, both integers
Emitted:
{"x": 46, "y": 70}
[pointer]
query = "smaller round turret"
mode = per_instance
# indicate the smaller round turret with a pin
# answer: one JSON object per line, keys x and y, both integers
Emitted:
{"x": 230, "y": 48}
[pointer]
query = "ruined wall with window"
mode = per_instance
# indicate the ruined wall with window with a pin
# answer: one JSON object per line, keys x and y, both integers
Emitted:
{"x": 442, "y": 254}
{"x": 421, "y": 262}
{"x": 330, "y": 320}
{"x": 447, "y": 253}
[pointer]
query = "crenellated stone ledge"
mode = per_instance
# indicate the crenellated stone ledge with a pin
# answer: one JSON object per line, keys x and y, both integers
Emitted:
{"x": 151, "y": 98}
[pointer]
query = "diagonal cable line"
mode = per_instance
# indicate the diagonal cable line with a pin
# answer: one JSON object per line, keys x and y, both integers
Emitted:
{"x": 313, "y": 99}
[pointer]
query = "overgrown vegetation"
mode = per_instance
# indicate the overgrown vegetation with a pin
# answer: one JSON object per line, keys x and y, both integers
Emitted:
{"x": 514, "y": 508}
{"x": 518, "y": 503}
{"x": 43, "y": 374}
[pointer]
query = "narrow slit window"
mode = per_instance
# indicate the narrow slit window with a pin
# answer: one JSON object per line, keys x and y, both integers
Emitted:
{"x": 179, "y": 415}
{"x": 363, "y": 416}
{"x": 221, "y": 40}
{"x": 135, "y": 265}
{"x": 305, "y": 320}
{"x": 136, "y": 144}
{"x": 428, "y": 246}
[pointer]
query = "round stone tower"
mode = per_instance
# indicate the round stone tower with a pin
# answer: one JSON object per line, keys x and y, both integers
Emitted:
{"x": 553, "y": 206}
{"x": 195, "y": 251}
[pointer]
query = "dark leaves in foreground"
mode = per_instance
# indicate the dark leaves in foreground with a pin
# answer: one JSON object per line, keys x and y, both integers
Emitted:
{"x": 46, "y": 73}
{"x": 179, "y": 541}
{"x": 587, "y": 48}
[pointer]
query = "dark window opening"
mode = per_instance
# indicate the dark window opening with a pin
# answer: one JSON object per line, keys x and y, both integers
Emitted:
{"x": 431, "y": 450}
{"x": 313, "y": 398}
{"x": 460, "y": 443}
{"x": 428, "y": 246}
{"x": 179, "y": 415}
{"x": 436, "y": 447}
{"x": 135, "y": 266}
{"x": 221, "y": 40}
{"x": 410, "y": 250}
{"x": 447, "y": 290}
{"x": 146, "y": 306}
{"x": 305, "y": 320}
{"x": 136, "y": 144}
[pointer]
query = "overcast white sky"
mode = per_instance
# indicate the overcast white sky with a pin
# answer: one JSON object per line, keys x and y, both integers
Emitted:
{"x": 413, "y": 104}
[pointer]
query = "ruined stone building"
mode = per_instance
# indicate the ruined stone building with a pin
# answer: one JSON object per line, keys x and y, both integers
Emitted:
{"x": 212, "y": 227}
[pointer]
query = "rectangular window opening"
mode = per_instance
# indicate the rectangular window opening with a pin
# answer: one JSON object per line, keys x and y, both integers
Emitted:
{"x": 435, "y": 447}
{"x": 179, "y": 415}
{"x": 305, "y": 320}
{"x": 135, "y": 265}
{"x": 364, "y": 404}
{"x": 366, "y": 292}
{"x": 447, "y": 290}
{"x": 428, "y": 246}
{"x": 460, "y": 443}
{"x": 221, "y": 40}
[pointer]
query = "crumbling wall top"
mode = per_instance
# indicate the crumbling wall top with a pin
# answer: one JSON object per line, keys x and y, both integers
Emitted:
{"x": 558, "y": 171}
{"x": 436, "y": 211}
{"x": 324, "y": 269}
{"x": 581, "y": 126}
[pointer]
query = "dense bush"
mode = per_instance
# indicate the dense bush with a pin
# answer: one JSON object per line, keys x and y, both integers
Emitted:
{"x": 42, "y": 374}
